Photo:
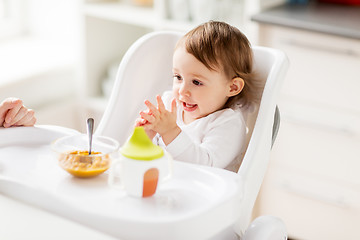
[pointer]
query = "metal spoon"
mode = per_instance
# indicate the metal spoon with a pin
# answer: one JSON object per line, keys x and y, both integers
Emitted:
{"x": 90, "y": 131}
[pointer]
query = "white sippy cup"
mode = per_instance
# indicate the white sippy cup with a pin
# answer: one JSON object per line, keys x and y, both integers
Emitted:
{"x": 142, "y": 166}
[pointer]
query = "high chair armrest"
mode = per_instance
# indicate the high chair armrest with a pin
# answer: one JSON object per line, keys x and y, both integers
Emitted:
{"x": 266, "y": 228}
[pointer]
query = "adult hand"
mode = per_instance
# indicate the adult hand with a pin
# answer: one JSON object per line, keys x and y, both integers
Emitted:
{"x": 14, "y": 113}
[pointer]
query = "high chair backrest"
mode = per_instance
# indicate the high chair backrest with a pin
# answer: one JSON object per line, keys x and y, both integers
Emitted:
{"x": 146, "y": 70}
{"x": 271, "y": 65}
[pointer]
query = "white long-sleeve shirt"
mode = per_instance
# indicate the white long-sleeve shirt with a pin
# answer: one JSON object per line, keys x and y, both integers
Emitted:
{"x": 215, "y": 140}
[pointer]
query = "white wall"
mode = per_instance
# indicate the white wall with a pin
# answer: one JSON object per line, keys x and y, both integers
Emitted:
{"x": 42, "y": 66}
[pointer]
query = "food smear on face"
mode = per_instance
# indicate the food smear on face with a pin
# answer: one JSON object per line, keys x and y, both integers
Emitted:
{"x": 81, "y": 164}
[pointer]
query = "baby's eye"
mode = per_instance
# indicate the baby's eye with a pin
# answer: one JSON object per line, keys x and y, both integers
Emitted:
{"x": 177, "y": 77}
{"x": 196, "y": 82}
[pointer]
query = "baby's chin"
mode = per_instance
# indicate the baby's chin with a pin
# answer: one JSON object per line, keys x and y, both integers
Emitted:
{"x": 194, "y": 115}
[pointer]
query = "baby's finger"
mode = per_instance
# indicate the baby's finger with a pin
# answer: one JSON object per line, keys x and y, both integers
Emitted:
{"x": 140, "y": 122}
{"x": 160, "y": 104}
{"x": 147, "y": 117}
{"x": 152, "y": 109}
{"x": 173, "y": 106}
{"x": 147, "y": 112}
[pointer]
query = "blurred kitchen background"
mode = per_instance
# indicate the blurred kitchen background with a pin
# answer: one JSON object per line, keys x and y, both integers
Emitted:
{"x": 61, "y": 58}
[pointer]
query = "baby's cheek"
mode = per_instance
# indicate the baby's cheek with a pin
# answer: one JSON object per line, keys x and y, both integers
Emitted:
{"x": 175, "y": 92}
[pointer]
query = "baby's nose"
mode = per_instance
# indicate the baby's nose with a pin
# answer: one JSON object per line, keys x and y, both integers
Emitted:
{"x": 183, "y": 90}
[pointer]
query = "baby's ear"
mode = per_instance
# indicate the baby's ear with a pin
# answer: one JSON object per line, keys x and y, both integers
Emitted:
{"x": 236, "y": 86}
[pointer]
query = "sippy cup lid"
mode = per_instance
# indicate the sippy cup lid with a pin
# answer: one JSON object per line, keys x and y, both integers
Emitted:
{"x": 140, "y": 147}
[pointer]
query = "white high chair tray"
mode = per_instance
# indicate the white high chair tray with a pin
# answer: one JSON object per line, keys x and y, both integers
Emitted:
{"x": 196, "y": 203}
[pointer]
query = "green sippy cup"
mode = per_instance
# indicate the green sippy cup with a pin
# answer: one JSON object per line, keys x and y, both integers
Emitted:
{"x": 142, "y": 166}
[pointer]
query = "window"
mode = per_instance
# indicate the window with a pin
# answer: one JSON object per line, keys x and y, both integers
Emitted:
{"x": 11, "y": 18}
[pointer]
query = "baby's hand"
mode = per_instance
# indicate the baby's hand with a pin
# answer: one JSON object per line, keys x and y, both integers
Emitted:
{"x": 140, "y": 122}
{"x": 14, "y": 113}
{"x": 160, "y": 120}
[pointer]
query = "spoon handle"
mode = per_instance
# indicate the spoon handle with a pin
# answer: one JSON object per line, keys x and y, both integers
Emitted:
{"x": 90, "y": 130}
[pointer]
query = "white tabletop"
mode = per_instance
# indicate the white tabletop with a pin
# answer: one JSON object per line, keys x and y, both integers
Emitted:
{"x": 200, "y": 198}
{"x": 19, "y": 221}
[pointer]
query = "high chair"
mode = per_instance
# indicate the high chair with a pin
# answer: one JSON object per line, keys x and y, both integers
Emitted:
{"x": 146, "y": 70}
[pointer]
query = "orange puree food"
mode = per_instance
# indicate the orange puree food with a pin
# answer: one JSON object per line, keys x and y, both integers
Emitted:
{"x": 81, "y": 164}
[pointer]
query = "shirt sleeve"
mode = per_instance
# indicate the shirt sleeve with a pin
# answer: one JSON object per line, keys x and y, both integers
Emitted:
{"x": 220, "y": 145}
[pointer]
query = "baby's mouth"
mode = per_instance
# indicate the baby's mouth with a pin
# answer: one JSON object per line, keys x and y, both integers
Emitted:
{"x": 189, "y": 107}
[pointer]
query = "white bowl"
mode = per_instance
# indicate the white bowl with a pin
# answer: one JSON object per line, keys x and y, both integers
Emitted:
{"x": 73, "y": 154}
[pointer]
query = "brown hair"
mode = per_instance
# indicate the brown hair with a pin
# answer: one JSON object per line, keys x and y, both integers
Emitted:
{"x": 220, "y": 46}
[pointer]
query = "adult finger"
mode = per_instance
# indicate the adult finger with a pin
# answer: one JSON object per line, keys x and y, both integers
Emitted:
{"x": 27, "y": 120}
{"x": 13, "y": 111}
{"x": 20, "y": 114}
{"x": 31, "y": 122}
{"x": 5, "y": 105}
{"x": 8, "y": 103}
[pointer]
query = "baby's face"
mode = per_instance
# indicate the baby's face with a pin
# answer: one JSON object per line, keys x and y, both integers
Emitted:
{"x": 198, "y": 90}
